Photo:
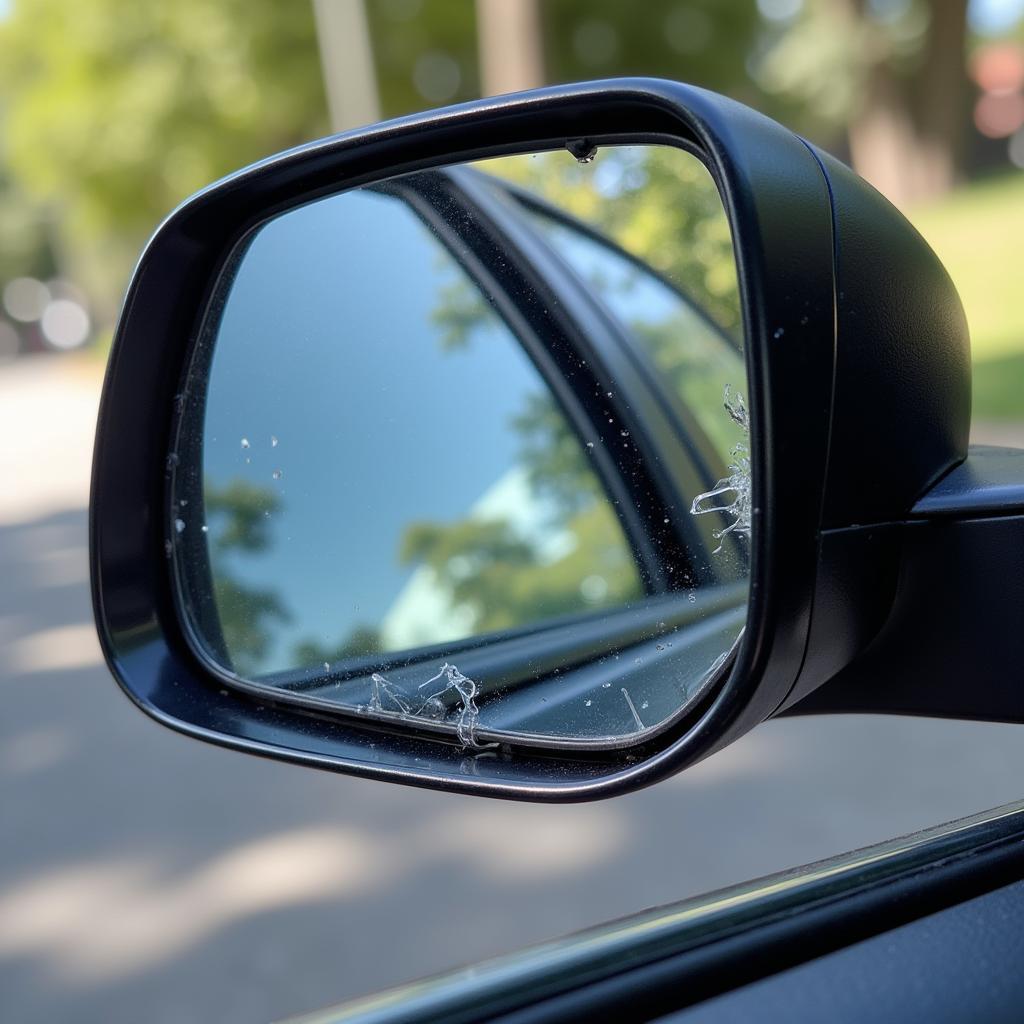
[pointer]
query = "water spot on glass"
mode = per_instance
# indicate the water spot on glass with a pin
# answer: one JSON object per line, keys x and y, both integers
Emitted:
{"x": 266, "y": 514}
{"x": 779, "y": 332}
{"x": 645, "y": 706}
{"x": 327, "y": 666}
{"x": 273, "y": 441}
{"x": 804, "y": 320}
{"x": 587, "y": 703}
{"x": 605, "y": 686}
{"x": 205, "y": 528}
{"x": 623, "y": 433}
{"x": 276, "y": 474}
{"x": 245, "y": 442}
{"x": 183, "y": 502}
{"x": 590, "y": 444}
{"x": 172, "y": 460}
{"x": 692, "y": 597}
{"x": 168, "y": 548}
{"x": 666, "y": 520}
{"x": 179, "y": 525}
{"x": 659, "y": 647}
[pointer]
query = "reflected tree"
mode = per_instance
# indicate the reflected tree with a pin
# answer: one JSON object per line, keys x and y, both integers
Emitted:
{"x": 656, "y": 203}
{"x": 507, "y": 580}
{"x": 238, "y": 520}
{"x": 362, "y": 640}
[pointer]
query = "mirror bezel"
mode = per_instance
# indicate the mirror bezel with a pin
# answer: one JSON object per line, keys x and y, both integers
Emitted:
{"x": 776, "y": 196}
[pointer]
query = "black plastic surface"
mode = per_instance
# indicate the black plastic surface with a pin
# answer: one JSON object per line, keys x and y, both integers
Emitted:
{"x": 903, "y": 373}
{"x": 954, "y": 644}
{"x": 955, "y": 967}
{"x": 989, "y": 482}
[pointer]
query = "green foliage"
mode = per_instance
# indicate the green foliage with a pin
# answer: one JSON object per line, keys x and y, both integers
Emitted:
{"x": 240, "y": 513}
{"x": 460, "y": 309}
{"x": 237, "y": 518}
{"x": 555, "y": 462}
{"x": 417, "y": 43}
{"x": 664, "y": 209}
{"x": 245, "y": 613}
{"x": 115, "y": 112}
{"x": 701, "y": 41}
{"x": 485, "y": 566}
{"x": 24, "y": 251}
{"x": 362, "y": 640}
{"x": 424, "y": 53}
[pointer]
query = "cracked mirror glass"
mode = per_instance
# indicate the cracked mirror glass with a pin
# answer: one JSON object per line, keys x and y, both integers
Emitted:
{"x": 465, "y": 451}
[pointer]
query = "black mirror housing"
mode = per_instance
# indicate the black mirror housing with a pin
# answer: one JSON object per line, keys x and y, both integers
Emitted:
{"x": 859, "y": 394}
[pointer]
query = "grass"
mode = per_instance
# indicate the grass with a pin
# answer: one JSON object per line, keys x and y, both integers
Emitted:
{"x": 978, "y": 233}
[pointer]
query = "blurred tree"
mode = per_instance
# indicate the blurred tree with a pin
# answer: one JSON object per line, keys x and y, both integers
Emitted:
{"x": 425, "y": 53}
{"x": 346, "y": 58}
{"x": 892, "y": 73}
{"x": 510, "y": 45}
{"x": 115, "y": 112}
{"x": 25, "y": 251}
{"x": 701, "y": 41}
{"x": 432, "y": 51}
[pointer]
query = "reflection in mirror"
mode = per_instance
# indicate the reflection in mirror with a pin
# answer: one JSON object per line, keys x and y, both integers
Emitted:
{"x": 466, "y": 448}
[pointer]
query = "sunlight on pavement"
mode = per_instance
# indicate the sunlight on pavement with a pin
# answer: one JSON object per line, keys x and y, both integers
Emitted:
{"x": 52, "y": 650}
{"x": 556, "y": 846}
{"x": 148, "y": 918}
{"x": 35, "y": 751}
{"x": 47, "y": 419}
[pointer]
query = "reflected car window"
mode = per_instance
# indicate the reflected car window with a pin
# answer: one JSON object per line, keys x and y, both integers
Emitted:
{"x": 383, "y": 470}
{"x": 690, "y": 353}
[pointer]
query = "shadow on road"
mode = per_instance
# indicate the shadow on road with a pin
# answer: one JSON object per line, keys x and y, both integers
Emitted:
{"x": 146, "y": 875}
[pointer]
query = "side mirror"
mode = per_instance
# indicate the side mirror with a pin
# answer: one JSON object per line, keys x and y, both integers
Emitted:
{"x": 536, "y": 447}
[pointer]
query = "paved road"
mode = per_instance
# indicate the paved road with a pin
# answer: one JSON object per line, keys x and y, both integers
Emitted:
{"x": 145, "y": 876}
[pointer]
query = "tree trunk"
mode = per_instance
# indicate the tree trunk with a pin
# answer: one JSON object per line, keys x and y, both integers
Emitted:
{"x": 346, "y": 57}
{"x": 908, "y": 137}
{"x": 509, "y": 41}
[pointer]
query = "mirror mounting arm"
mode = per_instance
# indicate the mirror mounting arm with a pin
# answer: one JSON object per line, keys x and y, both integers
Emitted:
{"x": 952, "y": 645}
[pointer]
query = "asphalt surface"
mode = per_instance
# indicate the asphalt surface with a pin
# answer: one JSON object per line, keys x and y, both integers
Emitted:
{"x": 145, "y": 876}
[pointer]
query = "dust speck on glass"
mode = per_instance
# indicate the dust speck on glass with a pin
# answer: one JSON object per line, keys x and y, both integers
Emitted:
{"x": 466, "y": 450}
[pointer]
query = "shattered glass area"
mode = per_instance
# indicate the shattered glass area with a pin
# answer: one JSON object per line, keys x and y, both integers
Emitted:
{"x": 737, "y": 483}
{"x": 388, "y": 699}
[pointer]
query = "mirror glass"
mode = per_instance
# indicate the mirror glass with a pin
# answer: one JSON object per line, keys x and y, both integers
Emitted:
{"x": 466, "y": 449}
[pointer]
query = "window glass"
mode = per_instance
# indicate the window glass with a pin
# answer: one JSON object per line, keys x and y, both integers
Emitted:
{"x": 690, "y": 352}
